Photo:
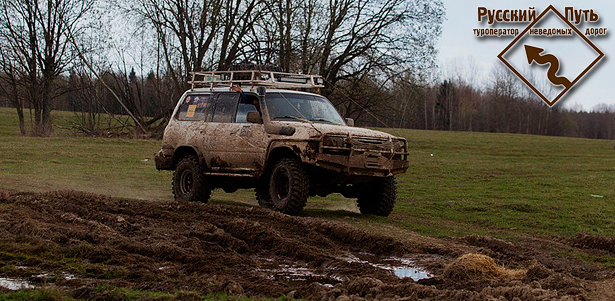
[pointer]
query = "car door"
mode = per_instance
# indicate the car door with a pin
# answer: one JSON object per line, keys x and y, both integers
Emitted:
{"x": 238, "y": 146}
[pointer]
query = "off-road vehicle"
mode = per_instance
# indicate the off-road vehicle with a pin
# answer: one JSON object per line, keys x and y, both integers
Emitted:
{"x": 285, "y": 143}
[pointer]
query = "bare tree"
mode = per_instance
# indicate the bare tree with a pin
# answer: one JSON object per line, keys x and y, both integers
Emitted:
{"x": 197, "y": 35}
{"x": 84, "y": 98}
{"x": 33, "y": 34}
{"x": 10, "y": 85}
{"x": 362, "y": 98}
{"x": 343, "y": 39}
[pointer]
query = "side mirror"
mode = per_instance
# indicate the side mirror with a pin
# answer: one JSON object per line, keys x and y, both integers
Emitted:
{"x": 349, "y": 121}
{"x": 254, "y": 117}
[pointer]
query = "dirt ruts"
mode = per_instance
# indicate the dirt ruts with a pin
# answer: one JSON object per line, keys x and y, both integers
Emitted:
{"x": 80, "y": 241}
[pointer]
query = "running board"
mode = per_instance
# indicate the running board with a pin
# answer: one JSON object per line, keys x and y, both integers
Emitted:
{"x": 233, "y": 175}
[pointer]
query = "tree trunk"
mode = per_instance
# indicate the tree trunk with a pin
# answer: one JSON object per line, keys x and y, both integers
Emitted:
{"x": 46, "y": 124}
{"x": 18, "y": 104}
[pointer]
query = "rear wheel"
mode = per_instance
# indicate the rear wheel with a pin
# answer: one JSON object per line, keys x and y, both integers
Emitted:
{"x": 189, "y": 183}
{"x": 378, "y": 197}
{"x": 288, "y": 186}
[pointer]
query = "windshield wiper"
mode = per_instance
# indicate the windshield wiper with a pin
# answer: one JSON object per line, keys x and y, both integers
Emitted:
{"x": 323, "y": 120}
{"x": 292, "y": 117}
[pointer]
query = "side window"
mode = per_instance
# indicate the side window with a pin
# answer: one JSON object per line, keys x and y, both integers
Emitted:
{"x": 226, "y": 105}
{"x": 242, "y": 112}
{"x": 194, "y": 107}
{"x": 246, "y": 104}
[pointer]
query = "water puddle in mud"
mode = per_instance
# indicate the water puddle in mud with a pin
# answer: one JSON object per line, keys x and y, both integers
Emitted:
{"x": 14, "y": 284}
{"x": 415, "y": 273}
{"x": 294, "y": 272}
{"x": 66, "y": 276}
{"x": 400, "y": 267}
{"x": 300, "y": 272}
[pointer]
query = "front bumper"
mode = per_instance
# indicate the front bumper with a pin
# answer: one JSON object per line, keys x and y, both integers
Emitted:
{"x": 363, "y": 156}
{"x": 163, "y": 161}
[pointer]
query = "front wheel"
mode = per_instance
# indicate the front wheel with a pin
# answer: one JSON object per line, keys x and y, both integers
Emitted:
{"x": 262, "y": 195}
{"x": 378, "y": 197}
{"x": 288, "y": 186}
{"x": 189, "y": 183}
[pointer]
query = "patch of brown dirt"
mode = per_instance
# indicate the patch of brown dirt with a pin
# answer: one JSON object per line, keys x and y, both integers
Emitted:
{"x": 81, "y": 241}
{"x": 602, "y": 290}
{"x": 594, "y": 242}
{"x": 527, "y": 251}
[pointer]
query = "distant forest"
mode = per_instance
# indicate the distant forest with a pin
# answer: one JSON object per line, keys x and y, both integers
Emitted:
{"x": 106, "y": 58}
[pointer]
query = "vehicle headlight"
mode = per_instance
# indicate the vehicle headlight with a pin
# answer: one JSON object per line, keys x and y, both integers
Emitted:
{"x": 335, "y": 141}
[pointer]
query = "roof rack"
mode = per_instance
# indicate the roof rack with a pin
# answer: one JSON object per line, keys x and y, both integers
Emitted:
{"x": 255, "y": 78}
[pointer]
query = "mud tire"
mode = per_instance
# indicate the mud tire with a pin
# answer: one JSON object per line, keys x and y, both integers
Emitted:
{"x": 378, "y": 198}
{"x": 189, "y": 183}
{"x": 288, "y": 186}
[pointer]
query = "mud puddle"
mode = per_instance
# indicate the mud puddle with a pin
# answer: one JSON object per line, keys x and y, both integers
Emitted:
{"x": 294, "y": 272}
{"x": 415, "y": 273}
{"x": 15, "y": 284}
{"x": 400, "y": 267}
{"x": 65, "y": 276}
{"x": 300, "y": 272}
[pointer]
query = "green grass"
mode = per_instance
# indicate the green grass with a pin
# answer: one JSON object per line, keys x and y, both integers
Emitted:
{"x": 497, "y": 183}
{"x": 475, "y": 183}
{"x": 116, "y": 167}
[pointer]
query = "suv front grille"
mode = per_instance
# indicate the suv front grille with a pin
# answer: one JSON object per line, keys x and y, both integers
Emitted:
{"x": 368, "y": 155}
{"x": 369, "y": 140}
{"x": 361, "y": 144}
{"x": 371, "y": 146}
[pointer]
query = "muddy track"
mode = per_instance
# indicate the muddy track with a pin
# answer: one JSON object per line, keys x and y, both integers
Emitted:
{"x": 80, "y": 241}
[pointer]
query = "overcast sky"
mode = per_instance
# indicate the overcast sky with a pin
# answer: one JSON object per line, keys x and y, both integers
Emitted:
{"x": 460, "y": 51}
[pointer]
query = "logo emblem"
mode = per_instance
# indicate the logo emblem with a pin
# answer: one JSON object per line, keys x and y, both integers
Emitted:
{"x": 538, "y": 56}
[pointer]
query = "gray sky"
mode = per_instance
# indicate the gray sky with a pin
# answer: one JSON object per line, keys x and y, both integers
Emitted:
{"x": 461, "y": 52}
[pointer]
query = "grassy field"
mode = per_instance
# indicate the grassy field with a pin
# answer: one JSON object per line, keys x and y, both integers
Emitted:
{"x": 117, "y": 167}
{"x": 458, "y": 183}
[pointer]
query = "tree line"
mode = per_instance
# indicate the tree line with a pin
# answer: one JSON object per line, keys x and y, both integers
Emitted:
{"x": 377, "y": 58}
{"x": 46, "y": 44}
{"x": 503, "y": 105}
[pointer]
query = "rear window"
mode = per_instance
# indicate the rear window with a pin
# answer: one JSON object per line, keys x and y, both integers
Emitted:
{"x": 195, "y": 107}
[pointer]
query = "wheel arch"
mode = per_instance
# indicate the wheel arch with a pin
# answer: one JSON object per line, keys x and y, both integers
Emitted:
{"x": 186, "y": 150}
{"x": 279, "y": 152}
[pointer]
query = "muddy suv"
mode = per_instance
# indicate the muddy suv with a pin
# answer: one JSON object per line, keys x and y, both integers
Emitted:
{"x": 286, "y": 144}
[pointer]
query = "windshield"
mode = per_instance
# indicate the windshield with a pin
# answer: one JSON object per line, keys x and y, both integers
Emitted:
{"x": 301, "y": 107}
